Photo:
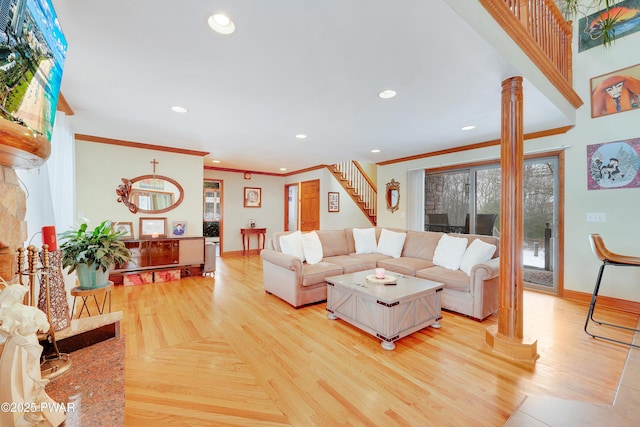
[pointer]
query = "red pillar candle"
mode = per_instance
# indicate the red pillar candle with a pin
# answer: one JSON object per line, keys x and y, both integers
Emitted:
{"x": 49, "y": 237}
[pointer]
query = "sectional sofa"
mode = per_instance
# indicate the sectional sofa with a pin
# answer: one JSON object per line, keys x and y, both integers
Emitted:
{"x": 296, "y": 264}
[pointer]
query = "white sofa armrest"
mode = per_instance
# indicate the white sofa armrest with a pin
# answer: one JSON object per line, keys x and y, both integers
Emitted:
{"x": 484, "y": 288}
{"x": 282, "y": 260}
{"x": 485, "y": 271}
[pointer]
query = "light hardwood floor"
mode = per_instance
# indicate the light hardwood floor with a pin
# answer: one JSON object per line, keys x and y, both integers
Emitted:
{"x": 205, "y": 352}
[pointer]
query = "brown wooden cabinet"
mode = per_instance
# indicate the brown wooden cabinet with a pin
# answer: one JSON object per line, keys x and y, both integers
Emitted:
{"x": 185, "y": 253}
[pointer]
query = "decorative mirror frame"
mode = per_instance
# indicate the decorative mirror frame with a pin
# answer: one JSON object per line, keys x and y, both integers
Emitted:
{"x": 393, "y": 188}
{"x": 124, "y": 194}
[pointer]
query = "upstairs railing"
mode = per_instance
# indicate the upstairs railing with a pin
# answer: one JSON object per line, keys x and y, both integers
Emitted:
{"x": 541, "y": 31}
{"x": 362, "y": 190}
{"x": 547, "y": 26}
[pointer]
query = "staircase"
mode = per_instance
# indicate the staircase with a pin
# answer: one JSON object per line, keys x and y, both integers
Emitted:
{"x": 358, "y": 185}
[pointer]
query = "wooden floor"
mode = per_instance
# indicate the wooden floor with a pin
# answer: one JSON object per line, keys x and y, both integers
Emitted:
{"x": 205, "y": 351}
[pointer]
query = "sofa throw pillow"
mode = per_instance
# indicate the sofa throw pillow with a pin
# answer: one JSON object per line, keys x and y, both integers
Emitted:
{"x": 312, "y": 247}
{"x": 450, "y": 251}
{"x": 365, "y": 239}
{"x": 477, "y": 252}
{"x": 291, "y": 244}
{"x": 391, "y": 243}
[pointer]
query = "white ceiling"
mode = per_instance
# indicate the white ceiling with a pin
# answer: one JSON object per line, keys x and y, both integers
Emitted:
{"x": 292, "y": 66}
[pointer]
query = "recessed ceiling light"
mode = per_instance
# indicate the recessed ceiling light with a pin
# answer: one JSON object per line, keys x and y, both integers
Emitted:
{"x": 215, "y": 161}
{"x": 301, "y": 136}
{"x": 283, "y": 169}
{"x": 386, "y": 94}
{"x": 179, "y": 109}
{"x": 468, "y": 127}
{"x": 221, "y": 24}
{"x": 375, "y": 151}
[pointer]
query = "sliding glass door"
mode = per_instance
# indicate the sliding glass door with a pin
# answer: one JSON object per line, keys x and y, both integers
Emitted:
{"x": 540, "y": 206}
{"x": 468, "y": 201}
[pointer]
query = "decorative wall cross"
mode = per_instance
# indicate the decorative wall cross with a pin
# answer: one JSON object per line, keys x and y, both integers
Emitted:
{"x": 154, "y": 162}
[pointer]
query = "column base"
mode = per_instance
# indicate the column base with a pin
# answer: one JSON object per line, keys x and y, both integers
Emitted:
{"x": 523, "y": 350}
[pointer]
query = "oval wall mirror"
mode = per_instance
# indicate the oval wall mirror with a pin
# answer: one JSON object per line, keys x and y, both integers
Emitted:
{"x": 152, "y": 194}
{"x": 392, "y": 195}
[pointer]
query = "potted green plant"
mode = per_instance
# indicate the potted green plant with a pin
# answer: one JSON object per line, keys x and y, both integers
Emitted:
{"x": 93, "y": 254}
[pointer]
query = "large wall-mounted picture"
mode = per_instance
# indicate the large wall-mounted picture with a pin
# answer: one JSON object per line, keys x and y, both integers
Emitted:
{"x": 627, "y": 21}
{"x": 614, "y": 165}
{"x": 32, "y": 53}
{"x": 615, "y": 92}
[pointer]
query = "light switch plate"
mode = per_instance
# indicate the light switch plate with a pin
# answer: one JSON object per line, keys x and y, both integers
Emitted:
{"x": 596, "y": 217}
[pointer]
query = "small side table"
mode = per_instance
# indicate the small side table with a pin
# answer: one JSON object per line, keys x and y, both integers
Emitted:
{"x": 105, "y": 291}
{"x": 246, "y": 236}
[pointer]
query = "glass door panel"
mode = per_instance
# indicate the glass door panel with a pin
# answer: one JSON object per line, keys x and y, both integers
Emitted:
{"x": 446, "y": 201}
{"x": 540, "y": 222}
{"x": 487, "y": 194}
{"x": 212, "y": 209}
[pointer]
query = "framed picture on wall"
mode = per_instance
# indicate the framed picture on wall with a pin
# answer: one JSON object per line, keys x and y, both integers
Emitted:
{"x": 252, "y": 197}
{"x": 616, "y": 92}
{"x": 178, "y": 228}
{"x": 153, "y": 227}
{"x": 126, "y": 228}
{"x": 334, "y": 201}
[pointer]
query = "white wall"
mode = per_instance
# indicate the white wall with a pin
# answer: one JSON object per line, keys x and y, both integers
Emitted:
{"x": 350, "y": 214}
{"x": 271, "y": 214}
{"x": 621, "y": 231}
{"x": 100, "y": 167}
{"x": 235, "y": 216}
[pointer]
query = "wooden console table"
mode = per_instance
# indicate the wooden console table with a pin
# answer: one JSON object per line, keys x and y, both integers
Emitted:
{"x": 157, "y": 254}
{"x": 246, "y": 238}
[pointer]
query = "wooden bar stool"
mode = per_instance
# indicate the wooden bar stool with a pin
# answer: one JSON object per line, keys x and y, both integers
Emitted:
{"x": 105, "y": 291}
{"x": 607, "y": 258}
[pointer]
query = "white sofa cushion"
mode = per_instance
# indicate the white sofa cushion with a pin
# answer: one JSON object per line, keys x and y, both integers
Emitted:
{"x": 391, "y": 243}
{"x": 450, "y": 251}
{"x": 365, "y": 240}
{"x": 312, "y": 247}
{"x": 477, "y": 252}
{"x": 291, "y": 244}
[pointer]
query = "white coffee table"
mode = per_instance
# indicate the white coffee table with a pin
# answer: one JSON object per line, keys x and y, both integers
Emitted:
{"x": 388, "y": 312}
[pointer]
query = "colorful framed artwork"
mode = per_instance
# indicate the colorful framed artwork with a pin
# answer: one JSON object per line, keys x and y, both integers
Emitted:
{"x": 613, "y": 165}
{"x": 178, "y": 228}
{"x": 126, "y": 228}
{"x": 252, "y": 197}
{"x": 334, "y": 201}
{"x": 627, "y": 16}
{"x": 153, "y": 227}
{"x": 615, "y": 92}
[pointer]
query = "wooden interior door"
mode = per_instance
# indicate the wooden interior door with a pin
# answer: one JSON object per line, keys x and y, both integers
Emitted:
{"x": 310, "y": 205}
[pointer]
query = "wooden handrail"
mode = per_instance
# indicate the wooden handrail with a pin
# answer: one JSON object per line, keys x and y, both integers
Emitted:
{"x": 366, "y": 177}
{"x": 537, "y": 26}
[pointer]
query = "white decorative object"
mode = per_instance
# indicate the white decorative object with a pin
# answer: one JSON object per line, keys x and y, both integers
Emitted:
{"x": 380, "y": 273}
{"x": 477, "y": 252}
{"x": 449, "y": 252}
{"x": 385, "y": 280}
{"x": 365, "y": 240}
{"x": 22, "y": 384}
{"x": 312, "y": 247}
{"x": 291, "y": 244}
{"x": 391, "y": 243}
